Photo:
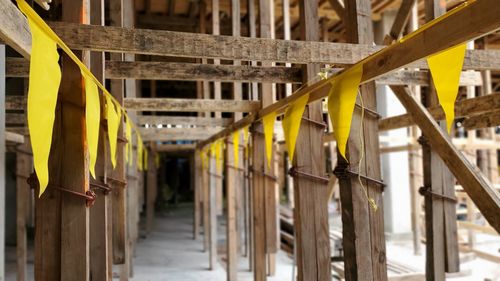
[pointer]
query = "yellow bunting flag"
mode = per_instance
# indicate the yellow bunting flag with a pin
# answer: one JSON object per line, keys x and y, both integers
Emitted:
{"x": 236, "y": 148}
{"x": 45, "y": 77}
{"x": 157, "y": 160}
{"x": 341, "y": 101}
{"x": 218, "y": 155}
{"x": 291, "y": 122}
{"x": 139, "y": 153}
{"x": 245, "y": 139}
{"x": 92, "y": 119}
{"x": 113, "y": 123}
{"x": 445, "y": 68}
{"x": 128, "y": 145}
{"x": 268, "y": 123}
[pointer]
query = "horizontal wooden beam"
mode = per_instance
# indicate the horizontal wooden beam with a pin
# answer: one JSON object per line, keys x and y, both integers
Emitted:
{"x": 183, "y": 120}
{"x": 15, "y": 118}
{"x": 463, "y": 108}
{"x": 492, "y": 119}
{"x": 15, "y": 102}
{"x": 190, "y": 105}
{"x": 183, "y": 44}
{"x": 14, "y": 137}
{"x": 176, "y": 134}
{"x": 484, "y": 196}
{"x": 174, "y": 147}
{"x": 18, "y": 67}
{"x": 14, "y": 28}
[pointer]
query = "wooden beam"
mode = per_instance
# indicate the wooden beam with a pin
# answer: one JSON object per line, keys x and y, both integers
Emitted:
{"x": 463, "y": 108}
{"x": 14, "y": 28}
{"x": 338, "y": 7}
{"x": 174, "y": 147}
{"x": 400, "y": 21}
{"x": 14, "y": 137}
{"x": 482, "y": 194}
{"x": 23, "y": 170}
{"x": 170, "y": 43}
{"x": 491, "y": 119}
{"x": 464, "y": 25}
{"x": 189, "y": 105}
{"x": 182, "y": 120}
{"x": 2, "y": 157}
{"x": 171, "y": 134}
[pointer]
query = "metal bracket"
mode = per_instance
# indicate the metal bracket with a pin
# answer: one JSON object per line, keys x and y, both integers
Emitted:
{"x": 263, "y": 173}
{"x": 343, "y": 172}
{"x": 106, "y": 189}
{"x": 426, "y": 191}
{"x": 294, "y": 172}
{"x": 322, "y": 125}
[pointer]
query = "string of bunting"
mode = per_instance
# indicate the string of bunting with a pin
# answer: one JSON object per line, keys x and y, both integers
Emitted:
{"x": 445, "y": 68}
{"x": 45, "y": 78}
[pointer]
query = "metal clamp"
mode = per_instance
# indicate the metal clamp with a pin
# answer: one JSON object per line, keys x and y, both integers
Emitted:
{"x": 294, "y": 172}
{"x": 422, "y": 140}
{"x": 343, "y": 172}
{"x": 263, "y": 173}
{"x": 234, "y": 167}
{"x": 120, "y": 182}
{"x": 370, "y": 112}
{"x": 322, "y": 125}
{"x": 106, "y": 189}
{"x": 426, "y": 191}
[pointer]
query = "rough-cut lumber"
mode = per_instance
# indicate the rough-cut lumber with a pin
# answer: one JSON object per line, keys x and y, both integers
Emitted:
{"x": 170, "y": 43}
{"x": 400, "y": 21}
{"x": 177, "y": 120}
{"x": 491, "y": 119}
{"x": 2, "y": 157}
{"x": 170, "y": 134}
{"x": 14, "y": 137}
{"x": 189, "y": 105}
{"x": 463, "y": 108}
{"x": 484, "y": 196}
{"x": 14, "y": 28}
{"x": 474, "y": 20}
{"x": 23, "y": 170}
{"x": 175, "y": 148}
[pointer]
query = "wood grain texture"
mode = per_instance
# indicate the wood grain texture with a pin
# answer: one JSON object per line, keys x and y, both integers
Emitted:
{"x": 485, "y": 120}
{"x": 170, "y": 134}
{"x": 189, "y": 105}
{"x": 178, "y": 120}
{"x": 14, "y": 28}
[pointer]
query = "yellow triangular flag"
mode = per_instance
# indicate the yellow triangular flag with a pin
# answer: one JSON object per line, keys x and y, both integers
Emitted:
{"x": 341, "y": 101}
{"x": 139, "y": 152}
{"x": 445, "y": 69}
{"x": 113, "y": 123}
{"x": 128, "y": 145}
{"x": 218, "y": 155}
{"x": 92, "y": 120}
{"x": 45, "y": 77}
{"x": 236, "y": 148}
{"x": 291, "y": 122}
{"x": 268, "y": 123}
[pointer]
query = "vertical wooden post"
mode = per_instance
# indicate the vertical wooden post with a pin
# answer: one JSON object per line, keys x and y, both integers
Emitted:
{"x": 363, "y": 226}
{"x": 118, "y": 185}
{"x": 206, "y": 205}
{"x": 2, "y": 162}
{"x": 151, "y": 190}
{"x": 74, "y": 161}
{"x": 23, "y": 170}
{"x": 440, "y": 214}
{"x": 213, "y": 182}
{"x": 100, "y": 265}
{"x": 197, "y": 190}
{"x": 231, "y": 234}
{"x": 312, "y": 240}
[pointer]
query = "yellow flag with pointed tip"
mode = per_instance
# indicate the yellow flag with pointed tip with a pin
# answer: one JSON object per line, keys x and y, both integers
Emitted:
{"x": 236, "y": 148}
{"x": 268, "y": 123}
{"x": 92, "y": 120}
{"x": 291, "y": 122}
{"x": 218, "y": 155}
{"x": 341, "y": 101}
{"x": 128, "y": 145}
{"x": 113, "y": 123}
{"x": 445, "y": 68}
{"x": 45, "y": 77}
{"x": 139, "y": 153}
{"x": 245, "y": 139}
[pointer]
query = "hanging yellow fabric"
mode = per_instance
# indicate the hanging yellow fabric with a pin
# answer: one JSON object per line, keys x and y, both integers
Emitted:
{"x": 445, "y": 68}
{"x": 128, "y": 145}
{"x": 291, "y": 123}
{"x": 92, "y": 120}
{"x": 341, "y": 101}
{"x": 268, "y": 123}
{"x": 113, "y": 123}
{"x": 218, "y": 155}
{"x": 245, "y": 139}
{"x": 45, "y": 77}
{"x": 236, "y": 148}
{"x": 139, "y": 153}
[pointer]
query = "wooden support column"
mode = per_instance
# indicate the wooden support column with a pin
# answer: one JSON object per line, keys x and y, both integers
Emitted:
{"x": 363, "y": 226}
{"x": 312, "y": 240}
{"x": 2, "y": 162}
{"x": 152, "y": 187}
{"x": 198, "y": 187}
{"x": 440, "y": 214}
{"x": 212, "y": 203}
{"x": 100, "y": 217}
{"x": 119, "y": 222}
{"x": 23, "y": 171}
{"x": 206, "y": 205}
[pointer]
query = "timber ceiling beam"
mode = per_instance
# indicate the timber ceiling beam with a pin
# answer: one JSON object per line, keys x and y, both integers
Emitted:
{"x": 169, "y": 148}
{"x": 176, "y": 134}
{"x": 183, "y": 120}
{"x": 190, "y": 105}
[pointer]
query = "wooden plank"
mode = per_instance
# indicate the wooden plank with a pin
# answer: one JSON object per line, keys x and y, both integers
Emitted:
{"x": 422, "y": 44}
{"x": 18, "y": 67}
{"x": 189, "y": 105}
{"x": 170, "y": 43}
{"x": 485, "y": 120}
{"x": 206, "y": 206}
{"x": 195, "y": 71}
{"x": 180, "y": 120}
{"x": 23, "y": 170}
{"x": 483, "y": 195}
{"x": 197, "y": 193}
{"x": 174, "y": 147}
{"x": 75, "y": 259}
{"x": 212, "y": 202}
{"x": 231, "y": 232}
{"x": 168, "y": 134}
{"x": 14, "y": 137}
{"x": 400, "y": 21}
{"x": 2, "y": 158}
{"x": 151, "y": 191}
{"x": 14, "y": 28}
{"x": 463, "y": 108}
